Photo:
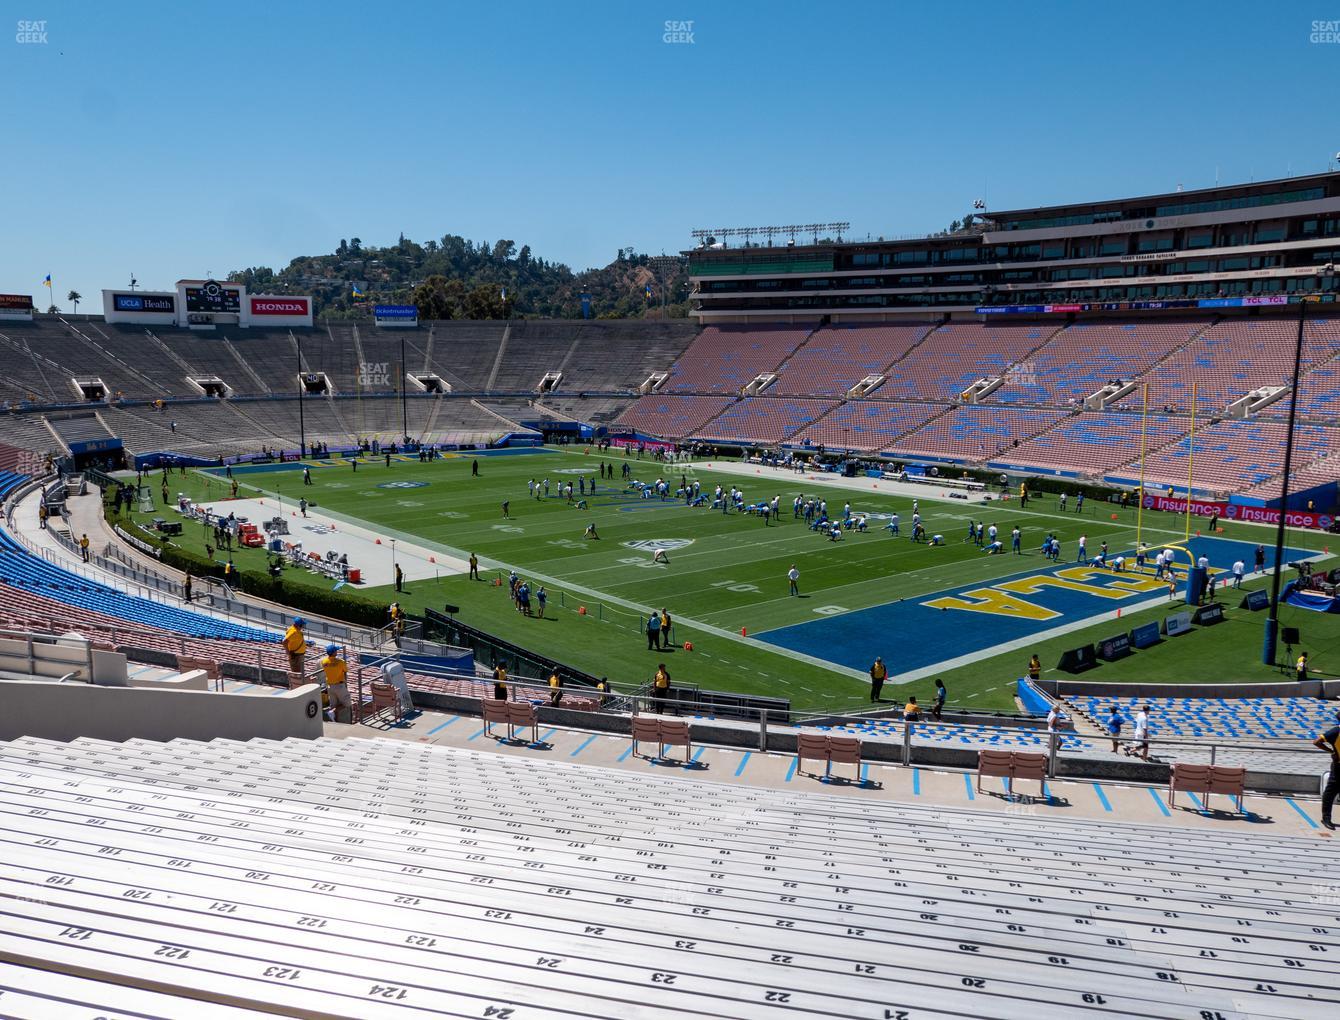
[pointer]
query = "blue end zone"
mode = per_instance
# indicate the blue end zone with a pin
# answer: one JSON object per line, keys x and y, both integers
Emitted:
{"x": 913, "y": 633}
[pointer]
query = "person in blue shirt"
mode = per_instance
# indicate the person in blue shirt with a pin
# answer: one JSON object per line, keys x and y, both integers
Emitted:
{"x": 654, "y": 632}
{"x": 1114, "y": 723}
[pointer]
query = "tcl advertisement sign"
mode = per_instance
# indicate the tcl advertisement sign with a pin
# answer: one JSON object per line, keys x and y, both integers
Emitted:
{"x": 1233, "y": 512}
{"x": 280, "y": 306}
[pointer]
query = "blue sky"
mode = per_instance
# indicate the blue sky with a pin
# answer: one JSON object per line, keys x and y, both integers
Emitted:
{"x": 170, "y": 140}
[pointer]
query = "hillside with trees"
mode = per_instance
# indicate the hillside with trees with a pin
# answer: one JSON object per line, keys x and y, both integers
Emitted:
{"x": 456, "y": 278}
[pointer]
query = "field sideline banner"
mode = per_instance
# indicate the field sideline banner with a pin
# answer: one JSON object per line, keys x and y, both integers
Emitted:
{"x": 1234, "y": 512}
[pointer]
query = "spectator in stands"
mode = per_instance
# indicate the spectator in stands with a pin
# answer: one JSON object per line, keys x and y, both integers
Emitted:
{"x": 912, "y": 711}
{"x": 295, "y": 641}
{"x": 1300, "y": 667}
{"x": 474, "y": 567}
{"x": 1330, "y": 743}
{"x": 336, "y": 672}
{"x": 1034, "y": 667}
{"x": 878, "y": 674}
{"x": 1054, "y": 718}
{"x": 654, "y": 631}
{"x": 1141, "y": 747}
{"x": 83, "y": 546}
{"x": 499, "y": 682}
{"x": 938, "y": 705}
{"x": 660, "y": 688}
{"x": 1114, "y": 724}
{"x": 555, "y": 689}
{"x": 793, "y": 580}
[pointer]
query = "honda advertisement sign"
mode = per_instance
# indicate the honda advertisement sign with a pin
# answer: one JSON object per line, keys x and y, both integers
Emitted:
{"x": 1234, "y": 512}
{"x": 280, "y": 305}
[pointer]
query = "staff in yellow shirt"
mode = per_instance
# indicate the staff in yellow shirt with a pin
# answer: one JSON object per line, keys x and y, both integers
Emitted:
{"x": 295, "y": 644}
{"x": 337, "y": 686}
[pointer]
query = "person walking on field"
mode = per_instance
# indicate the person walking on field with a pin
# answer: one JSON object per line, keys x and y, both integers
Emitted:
{"x": 654, "y": 631}
{"x": 878, "y": 674}
{"x": 793, "y": 578}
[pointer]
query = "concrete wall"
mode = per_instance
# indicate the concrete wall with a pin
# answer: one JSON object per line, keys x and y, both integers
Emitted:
{"x": 54, "y": 711}
{"x": 192, "y": 680}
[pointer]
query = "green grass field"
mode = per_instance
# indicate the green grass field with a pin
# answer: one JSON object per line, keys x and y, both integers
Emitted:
{"x": 732, "y": 574}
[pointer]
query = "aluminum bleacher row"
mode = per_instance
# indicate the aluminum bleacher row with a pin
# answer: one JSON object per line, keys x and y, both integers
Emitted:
{"x": 381, "y": 879}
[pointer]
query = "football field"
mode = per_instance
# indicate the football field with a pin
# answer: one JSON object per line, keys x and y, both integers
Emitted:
{"x": 950, "y": 610}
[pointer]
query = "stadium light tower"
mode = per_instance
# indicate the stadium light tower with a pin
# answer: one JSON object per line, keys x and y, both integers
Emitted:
{"x": 1270, "y": 644}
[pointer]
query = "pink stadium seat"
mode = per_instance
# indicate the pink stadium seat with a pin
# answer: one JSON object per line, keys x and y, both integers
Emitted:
{"x": 725, "y": 359}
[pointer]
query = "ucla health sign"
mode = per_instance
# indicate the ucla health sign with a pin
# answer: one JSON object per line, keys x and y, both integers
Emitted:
{"x": 144, "y": 303}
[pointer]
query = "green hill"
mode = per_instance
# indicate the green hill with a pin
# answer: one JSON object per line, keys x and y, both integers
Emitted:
{"x": 456, "y": 278}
